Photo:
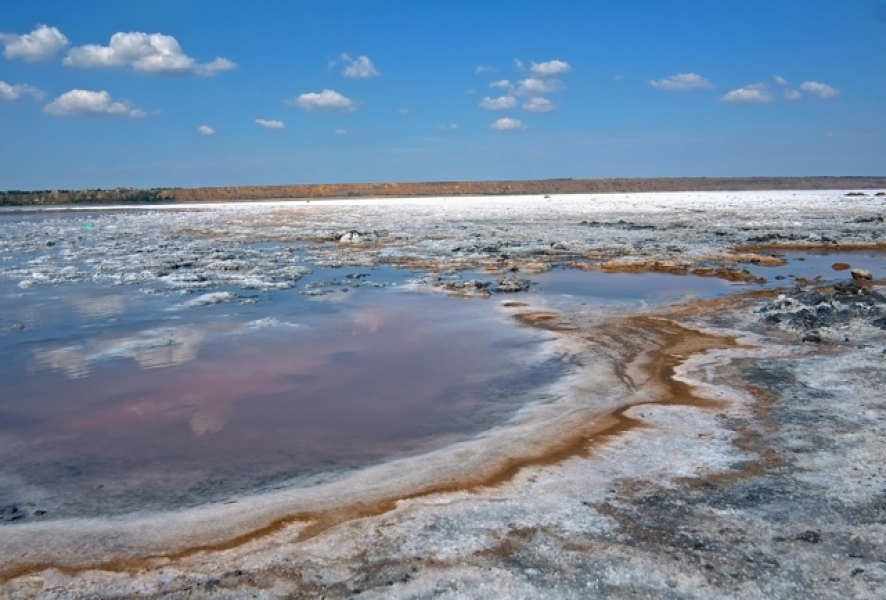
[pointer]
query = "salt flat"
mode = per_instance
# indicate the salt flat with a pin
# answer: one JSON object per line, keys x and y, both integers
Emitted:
{"x": 695, "y": 448}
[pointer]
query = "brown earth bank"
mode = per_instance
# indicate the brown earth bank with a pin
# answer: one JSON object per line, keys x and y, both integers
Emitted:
{"x": 439, "y": 188}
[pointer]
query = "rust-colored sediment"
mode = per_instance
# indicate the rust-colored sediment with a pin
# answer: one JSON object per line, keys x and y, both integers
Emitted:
{"x": 787, "y": 246}
{"x": 670, "y": 345}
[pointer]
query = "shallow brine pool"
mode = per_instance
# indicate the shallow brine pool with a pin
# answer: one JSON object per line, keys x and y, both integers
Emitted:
{"x": 115, "y": 402}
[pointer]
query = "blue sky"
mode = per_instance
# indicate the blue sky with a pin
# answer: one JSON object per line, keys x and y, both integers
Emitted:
{"x": 157, "y": 93}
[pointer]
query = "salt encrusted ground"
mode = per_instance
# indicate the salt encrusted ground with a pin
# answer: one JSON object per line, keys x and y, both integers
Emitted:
{"x": 749, "y": 463}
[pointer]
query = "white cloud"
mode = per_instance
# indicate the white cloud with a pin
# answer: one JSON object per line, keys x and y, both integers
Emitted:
{"x": 519, "y": 64}
{"x": 502, "y": 103}
{"x": 270, "y": 124}
{"x": 780, "y": 80}
{"x": 341, "y": 132}
{"x": 325, "y": 101}
{"x": 148, "y": 53}
{"x": 506, "y": 124}
{"x": 682, "y": 82}
{"x": 450, "y": 127}
{"x": 470, "y": 91}
{"x": 550, "y": 68}
{"x": 40, "y": 44}
{"x": 88, "y": 103}
{"x": 403, "y": 111}
{"x": 820, "y": 90}
{"x": 533, "y": 85}
{"x": 504, "y": 84}
{"x": 792, "y": 95}
{"x": 16, "y": 92}
{"x": 483, "y": 69}
{"x": 206, "y": 130}
{"x": 538, "y": 105}
{"x": 358, "y": 68}
{"x": 751, "y": 94}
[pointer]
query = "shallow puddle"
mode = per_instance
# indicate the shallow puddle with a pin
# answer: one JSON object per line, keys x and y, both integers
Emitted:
{"x": 810, "y": 264}
{"x": 98, "y": 416}
{"x": 620, "y": 287}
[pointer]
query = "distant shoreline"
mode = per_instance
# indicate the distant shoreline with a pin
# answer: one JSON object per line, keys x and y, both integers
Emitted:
{"x": 426, "y": 189}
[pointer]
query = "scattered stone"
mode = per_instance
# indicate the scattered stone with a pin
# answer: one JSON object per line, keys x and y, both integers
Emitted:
{"x": 39, "y": 513}
{"x": 511, "y": 284}
{"x": 351, "y": 237}
{"x": 812, "y": 337}
{"x": 862, "y": 274}
{"x": 813, "y": 537}
{"x": 841, "y": 266}
{"x": 856, "y": 194}
{"x": 17, "y": 327}
{"x": 880, "y": 194}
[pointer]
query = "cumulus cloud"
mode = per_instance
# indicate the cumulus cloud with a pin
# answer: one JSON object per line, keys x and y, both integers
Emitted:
{"x": 819, "y": 90}
{"x": 751, "y": 94}
{"x": 780, "y": 80}
{"x": 534, "y": 85}
{"x": 341, "y": 132}
{"x": 325, "y": 101}
{"x": 504, "y": 84}
{"x": 88, "y": 103}
{"x": 16, "y": 92}
{"x": 538, "y": 105}
{"x": 270, "y": 124}
{"x": 206, "y": 130}
{"x": 483, "y": 69}
{"x": 450, "y": 127}
{"x": 502, "y": 103}
{"x": 40, "y": 44}
{"x": 506, "y": 124}
{"x": 358, "y": 68}
{"x": 148, "y": 53}
{"x": 682, "y": 82}
{"x": 792, "y": 95}
{"x": 519, "y": 64}
{"x": 550, "y": 68}
{"x": 403, "y": 111}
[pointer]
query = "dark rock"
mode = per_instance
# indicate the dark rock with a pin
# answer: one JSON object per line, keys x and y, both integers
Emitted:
{"x": 862, "y": 274}
{"x": 510, "y": 284}
{"x": 856, "y": 194}
{"x": 847, "y": 288}
{"x": 17, "y": 327}
{"x": 813, "y": 537}
{"x": 11, "y": 513}
{"x": 841, "y": 266}
{"x": 813, "y": 337}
